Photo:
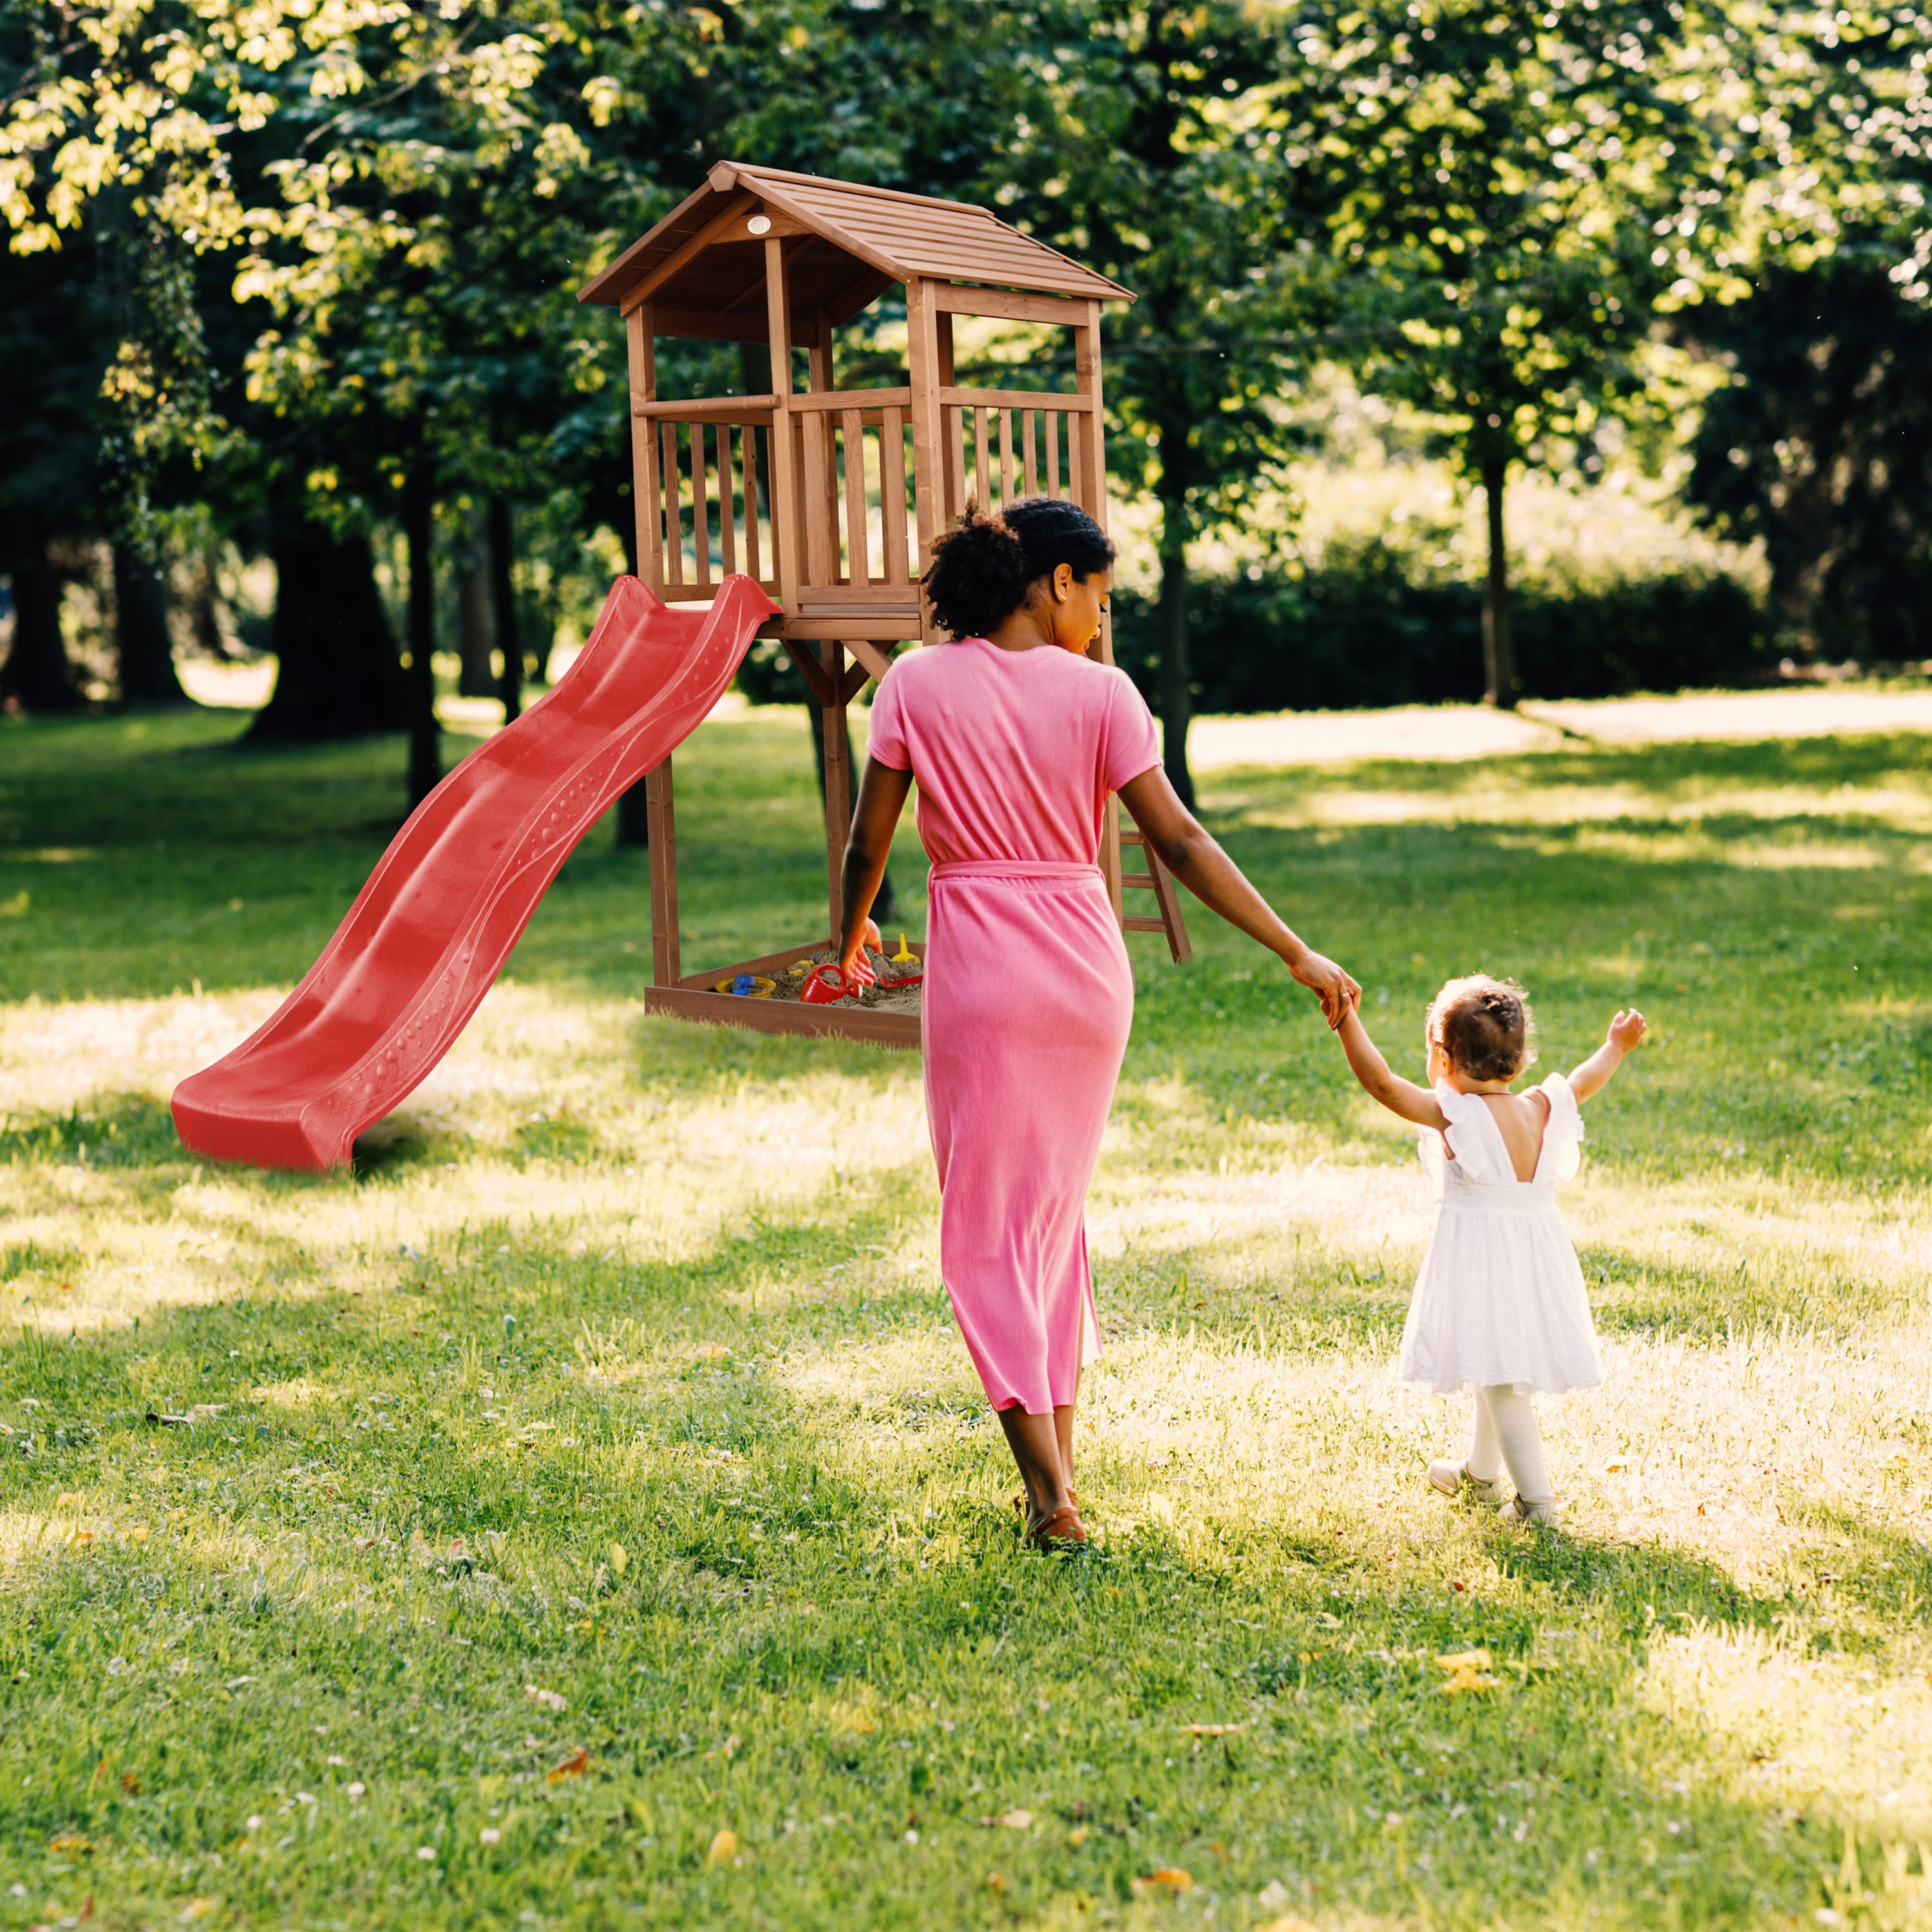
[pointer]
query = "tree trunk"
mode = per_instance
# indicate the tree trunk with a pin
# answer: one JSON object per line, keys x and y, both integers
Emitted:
{"x": 1177, "y": 676}
{"x": 1498, "y": 654}
{"x": 338, "y": 674}
{"x": 425, "y": 749}
{"x": 37, "y": 676}
{"x": 474, "y": 630}
{"x": 503, "y": 600}
{"x": 141, "y": 631}
{"x": 885, "y": 901}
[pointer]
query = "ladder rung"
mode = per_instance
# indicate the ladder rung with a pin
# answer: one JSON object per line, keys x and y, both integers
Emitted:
{"x": 1144, "y": 880}
{"x": 1145, "y": 925}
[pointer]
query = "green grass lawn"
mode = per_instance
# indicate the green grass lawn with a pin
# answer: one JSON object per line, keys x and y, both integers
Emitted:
{"x": 584, "y": 1514}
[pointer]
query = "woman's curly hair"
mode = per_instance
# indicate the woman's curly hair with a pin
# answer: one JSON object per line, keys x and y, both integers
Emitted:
{"x": 984, "y": 569}
{"x": 1484, "y": 1027}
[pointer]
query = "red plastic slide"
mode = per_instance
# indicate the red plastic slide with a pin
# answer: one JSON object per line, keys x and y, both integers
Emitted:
{"x": 429, "y": 932}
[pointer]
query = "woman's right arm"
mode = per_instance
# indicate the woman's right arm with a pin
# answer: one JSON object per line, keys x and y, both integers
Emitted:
{"x": 882, "y": 797}
{"x": 1185, "y": 848}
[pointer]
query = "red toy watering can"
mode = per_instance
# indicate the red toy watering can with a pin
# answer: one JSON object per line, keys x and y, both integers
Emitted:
{"x": 825, "y": 986}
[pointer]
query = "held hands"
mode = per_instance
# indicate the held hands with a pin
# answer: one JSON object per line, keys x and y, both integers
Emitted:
{"x": 1337, "y": 992}
{"x": 1627, "y": 1030}
{"x": 852, "y": 962}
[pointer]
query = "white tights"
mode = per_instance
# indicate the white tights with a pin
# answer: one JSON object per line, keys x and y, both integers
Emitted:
{"x": 1506, "y": 1436}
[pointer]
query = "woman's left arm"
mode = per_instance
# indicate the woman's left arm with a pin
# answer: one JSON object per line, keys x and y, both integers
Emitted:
{"x": 882, "y": 797}
{"x": 1185, "y": 847}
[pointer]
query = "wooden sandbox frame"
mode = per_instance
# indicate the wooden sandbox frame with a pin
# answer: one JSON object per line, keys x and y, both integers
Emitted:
{"x": 760, "y": 256}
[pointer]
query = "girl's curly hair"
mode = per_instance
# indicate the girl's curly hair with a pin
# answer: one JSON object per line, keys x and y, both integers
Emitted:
{"x": 985, "y": 568}
{"x": 1484, "y": 1027}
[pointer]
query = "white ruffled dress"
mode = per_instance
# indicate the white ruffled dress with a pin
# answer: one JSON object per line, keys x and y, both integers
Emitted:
{"x": 1500, "y": 1298}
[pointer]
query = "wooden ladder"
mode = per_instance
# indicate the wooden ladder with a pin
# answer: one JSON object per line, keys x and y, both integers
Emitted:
{"x": 1157, "y": 880}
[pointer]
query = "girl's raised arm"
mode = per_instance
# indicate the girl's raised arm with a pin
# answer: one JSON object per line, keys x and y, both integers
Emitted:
{"x": 1594, "y": 1076}
{"x": 1402, "y": 1098}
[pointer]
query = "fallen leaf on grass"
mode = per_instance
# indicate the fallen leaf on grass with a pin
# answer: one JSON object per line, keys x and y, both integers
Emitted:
{"x": 1290, "y": 1923}
{"x": 130, "y": 1784}
{"x": 551, "y": 1700}
{"x": 70, "y": 1841}
{"x": 619, "y": 1559}
{"x": 197, "y": 1908}
{"x": 67, "y": 1499}
{"x": 1017, "y": 1821}
{"x": 724, "y": 1848}
{"x": 572, "y": 1767}
{"x": 1469, "y": 1670}
{"x": 1169, "y": 1878}
{"x": 1079, "y": 1836}
{"x": 995, "y": 1882}
{"x": 1213, "y": 1730}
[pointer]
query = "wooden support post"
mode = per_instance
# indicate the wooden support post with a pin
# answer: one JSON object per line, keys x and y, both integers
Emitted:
{"x": 664, "y": 957}
{"x": 787, "y": 563}
{"x": 952, "y": 430}
{"x": 821, "y": 477}
{"x": 838, "y": 781}
{"x": 645, "y": 489}
{"x": 927, "y": 436}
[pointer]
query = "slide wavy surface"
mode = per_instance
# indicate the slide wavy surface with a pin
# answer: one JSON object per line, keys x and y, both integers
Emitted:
{"x": 428, "y": 933}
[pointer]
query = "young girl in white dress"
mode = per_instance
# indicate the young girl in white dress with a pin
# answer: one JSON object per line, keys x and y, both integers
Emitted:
{"x": 1499, "y": 1308}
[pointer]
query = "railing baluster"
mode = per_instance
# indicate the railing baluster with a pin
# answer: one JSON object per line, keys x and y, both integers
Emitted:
{"x": 700, "y": 506}
{"x": 728, "y": 501}
{"x": 673, "y": 511}
{"x": 1006, "y": 457}
{"x": 955, "y": 437}
{"x": 892, "y": 515}
{"x": 858, "y": 557}
{"x": 1073, "y": 465}
{"x": 752, "y": 499}
{"x": 1052, "y": 419}
{"x": 1027, "y": 426}
{"x": 983, "y": 466}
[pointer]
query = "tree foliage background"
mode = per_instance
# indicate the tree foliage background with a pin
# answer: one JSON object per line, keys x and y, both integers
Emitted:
{"x": 299, "y": 274}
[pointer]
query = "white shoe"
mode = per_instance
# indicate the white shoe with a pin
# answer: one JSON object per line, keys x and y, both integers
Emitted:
{"x": 1516, "y": 1510}
{"x": 1451, "y": 1479}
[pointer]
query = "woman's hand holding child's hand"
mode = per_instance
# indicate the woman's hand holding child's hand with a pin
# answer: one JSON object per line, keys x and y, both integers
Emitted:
{"x": 1337, "y": 992}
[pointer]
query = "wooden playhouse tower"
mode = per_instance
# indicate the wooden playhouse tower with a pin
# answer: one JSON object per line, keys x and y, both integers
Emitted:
{"x": 831, "y": 498}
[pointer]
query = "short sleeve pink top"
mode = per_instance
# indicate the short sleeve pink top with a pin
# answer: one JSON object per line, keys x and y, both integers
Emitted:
{"x": 1015, "y": 752}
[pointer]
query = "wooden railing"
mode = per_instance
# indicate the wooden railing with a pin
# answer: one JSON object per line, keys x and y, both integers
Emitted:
{"x": 1004, "y": 444}
{"x": 853, "y": 550}
{"x": 703, "y": 469}
{"x": 857, "y": 465}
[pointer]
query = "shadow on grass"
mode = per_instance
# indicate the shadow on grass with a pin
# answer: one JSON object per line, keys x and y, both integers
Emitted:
{"x": 872, "y": 1647}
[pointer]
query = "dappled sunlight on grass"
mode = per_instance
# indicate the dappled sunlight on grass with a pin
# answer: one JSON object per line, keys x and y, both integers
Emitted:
{"x": 1778, "y": 1723}
{"x": 594, "y": 1468}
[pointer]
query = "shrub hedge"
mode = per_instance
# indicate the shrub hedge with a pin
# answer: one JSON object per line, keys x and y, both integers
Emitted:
{"x": 1361, "y": 630}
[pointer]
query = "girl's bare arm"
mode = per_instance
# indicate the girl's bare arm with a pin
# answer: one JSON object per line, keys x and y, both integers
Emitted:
{"x": 1402, "y": 1098}
{"x": 1189, "y": 851}
{"x": 1594, "y": 1076}
{"x": 882, "y": 797}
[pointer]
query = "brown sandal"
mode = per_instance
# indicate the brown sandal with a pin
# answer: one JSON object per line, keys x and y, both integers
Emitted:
{"x": 1062, "y": 1529}
{"x": 1020, "y": 1500}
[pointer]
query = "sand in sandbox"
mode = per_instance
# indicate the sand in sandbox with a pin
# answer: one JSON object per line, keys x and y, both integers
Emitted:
{"x": 888, "y": 996}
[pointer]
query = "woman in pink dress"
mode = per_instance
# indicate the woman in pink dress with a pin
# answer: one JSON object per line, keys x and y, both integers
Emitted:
{"x": 1016, "y": 737}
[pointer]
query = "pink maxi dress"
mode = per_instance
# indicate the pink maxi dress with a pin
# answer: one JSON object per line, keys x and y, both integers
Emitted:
{"x": 1028, "y": 993}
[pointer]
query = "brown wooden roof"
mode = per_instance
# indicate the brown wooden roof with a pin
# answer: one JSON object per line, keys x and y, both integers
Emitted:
{"x": 847, "y": 244}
